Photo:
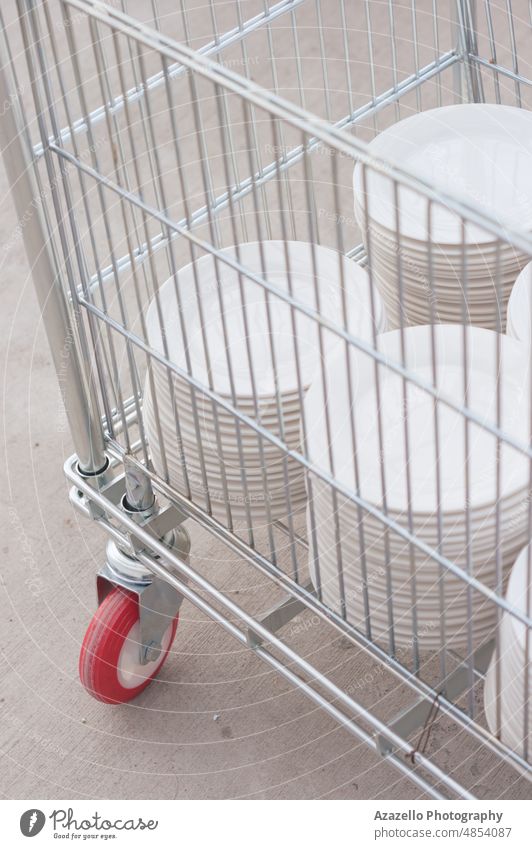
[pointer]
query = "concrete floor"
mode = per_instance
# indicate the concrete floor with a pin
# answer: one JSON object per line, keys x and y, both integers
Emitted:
{"x": 218, "y": 723}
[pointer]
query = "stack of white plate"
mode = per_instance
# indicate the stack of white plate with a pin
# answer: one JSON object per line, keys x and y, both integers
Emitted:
{"x": 508, "y": 679}
{"x": 519, "y": 316}
{"x": 479, "y": 153}
{"x": 375, "y": 571}
{"x": 256, "y": 352}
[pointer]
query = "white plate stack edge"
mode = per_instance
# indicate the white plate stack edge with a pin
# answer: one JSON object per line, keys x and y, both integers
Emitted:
{"x": 220, "y": 460}
{"x": 505, "y": 693}
{"x": 448, "y": 272}
{"x": 350, "y": 565}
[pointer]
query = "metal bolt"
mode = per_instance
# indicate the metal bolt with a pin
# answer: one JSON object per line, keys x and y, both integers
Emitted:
{"x": 152, "y": 651}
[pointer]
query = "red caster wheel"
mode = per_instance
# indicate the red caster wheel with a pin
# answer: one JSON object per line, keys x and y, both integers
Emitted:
{"x": 109, "y": 665}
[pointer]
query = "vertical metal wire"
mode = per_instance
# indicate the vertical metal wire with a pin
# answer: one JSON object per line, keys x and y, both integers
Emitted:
{"x": 493, "y": 49}
{"x": 265, "y": 216}
{"x": 131, "y": 215}
{"x": 280, "y": 147}
{"x": 415, "y": 50}
{"x": 349, "y": 380}
{"x": 467, "y": 469}
{"x": 231, "y": 151}
{"x": 213, "y": 229}
{"x": 314, "y": 240}
{"x": 347, "y": 58}
{"x": 114, "y": 137}
{"x": 158, "y": 179}
{"x": 393, "y": 44}
{"x": 297, "y": 361}
{"x": 247, "y": 117}
{"x": 183, "y": 186}
{"x": 442, "y": 656}
{"x": 469, "y": 48}
{"x": 297, "y": 57}
{"x": 221, "y": 104}
{"x": 371, "y": 63}
{"x": 406, "y": 434}
{"x": 499, "y": 366}
{"x": 436, "y": 41}
{"x": 380, "y": 425}
{"x": 153, "y": 290}
{"x": 323, "y": 57}
{"x": 513, "y": 45}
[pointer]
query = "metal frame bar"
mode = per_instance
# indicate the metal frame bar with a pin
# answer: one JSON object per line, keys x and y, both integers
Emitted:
{"x": 77, "y": 387}
{"x": 468, "y": 48}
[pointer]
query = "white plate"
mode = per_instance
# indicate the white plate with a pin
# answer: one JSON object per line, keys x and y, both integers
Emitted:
{"x": 444, "y": 316}
{"x": 510, "y": 700}
{"x": 346, "y": 531}
{"x": 513, "y": 529}
{"x": 520, "y": 307}
{"x": 482, "y": 369}
{"x": 447, "y": 297}
{"x": 480, "y": 153}
{"x": 226, "y": 429}
{"x": 414, "y": 304}
{"x": 428, "y": 614}
{"x": 226, "y": 435}
{"x": 478, "y": 278}
{"x": 481, "y": 547}
{"x": 510, "y": 505}
{"x": 213, "y": 469}
{"x": 224, "y": 324}
{"x": 519, "y": 594}
{"x": 388, "y": 241}
{"x": 205, "y": 415}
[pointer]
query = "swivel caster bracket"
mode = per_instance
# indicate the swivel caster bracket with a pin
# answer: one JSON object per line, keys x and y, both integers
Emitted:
{"x": 159, "y": 602}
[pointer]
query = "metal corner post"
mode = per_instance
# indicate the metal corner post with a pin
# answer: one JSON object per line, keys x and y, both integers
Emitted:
{"x": 78, "y": 396}
{"x": 466, "y": 12}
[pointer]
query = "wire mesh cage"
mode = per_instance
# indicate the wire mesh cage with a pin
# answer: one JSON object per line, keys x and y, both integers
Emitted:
{"x": 326, "y": 388}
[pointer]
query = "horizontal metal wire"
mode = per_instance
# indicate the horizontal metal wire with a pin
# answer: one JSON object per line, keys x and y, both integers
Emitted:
{"x": 494, "y": 67}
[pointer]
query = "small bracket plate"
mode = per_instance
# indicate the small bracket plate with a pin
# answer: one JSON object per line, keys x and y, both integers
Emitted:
{"x": 278, "y": 616}
{"x": 454, "y": 686}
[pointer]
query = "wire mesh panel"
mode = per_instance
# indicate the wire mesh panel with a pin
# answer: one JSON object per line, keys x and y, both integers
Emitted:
{"x": 324, "y": 385}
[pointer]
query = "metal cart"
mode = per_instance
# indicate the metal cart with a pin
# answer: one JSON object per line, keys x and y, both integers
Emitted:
{"x": 139, "y": 137}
